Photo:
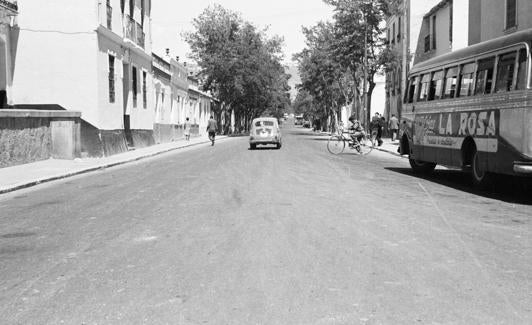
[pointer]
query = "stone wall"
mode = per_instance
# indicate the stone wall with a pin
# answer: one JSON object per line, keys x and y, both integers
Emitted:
{"x": 32, "y": 135}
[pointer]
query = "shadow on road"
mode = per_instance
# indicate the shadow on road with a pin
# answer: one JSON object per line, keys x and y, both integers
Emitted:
{"x": 506, "y": 188}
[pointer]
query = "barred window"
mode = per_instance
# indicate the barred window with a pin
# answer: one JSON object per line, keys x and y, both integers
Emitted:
{"x": 511, "y": 13}
{"x": 134, "y": 87}
{"x": 144, "y": 90}
{"x": 111, "y": 79}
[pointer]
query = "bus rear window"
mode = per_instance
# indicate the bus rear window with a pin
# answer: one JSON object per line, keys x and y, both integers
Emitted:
{"x": 505, "y": 72}
{"x": 484, "y": 76}
{"x": 451, "y": 76}
{"x": 466, "y": 80}
{"x": 522, "y": 75}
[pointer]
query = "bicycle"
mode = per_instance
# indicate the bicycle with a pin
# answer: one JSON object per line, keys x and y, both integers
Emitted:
{"x": 337, "y": 142}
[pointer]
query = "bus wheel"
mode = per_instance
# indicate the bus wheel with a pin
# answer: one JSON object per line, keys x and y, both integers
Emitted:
{"x": 421, "y": 167}
{"x": 480, "y": 177}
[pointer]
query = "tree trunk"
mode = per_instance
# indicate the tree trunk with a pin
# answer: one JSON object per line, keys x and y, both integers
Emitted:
{"x": 368, "y": 104}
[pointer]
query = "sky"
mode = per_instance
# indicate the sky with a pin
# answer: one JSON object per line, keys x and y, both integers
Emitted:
{"x": 284, "y": 17}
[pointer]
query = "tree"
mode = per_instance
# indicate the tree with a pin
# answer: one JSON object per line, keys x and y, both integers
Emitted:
{"x": 322, "y": 77}
{"x": 240, "y": 64}
{"x": 359, "y": 45}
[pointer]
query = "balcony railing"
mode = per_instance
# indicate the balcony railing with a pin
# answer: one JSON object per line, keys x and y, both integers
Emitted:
{"x": 109, "y": 17}
{"x": 134, "y": 32}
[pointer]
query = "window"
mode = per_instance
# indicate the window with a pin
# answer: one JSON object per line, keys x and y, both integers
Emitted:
{"x": 412, "y": 89}
{"x": 484, "y": 76}
{"x": 134, "y": 87}
{"x": 388, "y": 36}
{"x": 399, "y": 30}
{"x": 466, "y": 80}
{"x": 144, "y": 90}
{"x": 522, "y": 78}
{"x": 131, "y": 8}
{"x": 511, "y": 13}
{"x": 393, "y": 33}
{"x": 109, "y": 15}
{"x": 111, "y": 79}
{"x": 451, "y": 76}
{"x": 424, "y": 92}
{"x": 433, "y": 32}
{"x": 436, "y": 85}
{"x": 505, "y": 72}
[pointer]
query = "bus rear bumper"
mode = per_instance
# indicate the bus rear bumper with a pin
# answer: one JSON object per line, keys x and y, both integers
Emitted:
{"x": 523, "y": 168}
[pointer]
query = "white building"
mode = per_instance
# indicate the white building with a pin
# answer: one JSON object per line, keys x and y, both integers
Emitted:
{"x": 92, "y": 56}
{"x": 179, "y": 93}
{"x": 8, "y": 46}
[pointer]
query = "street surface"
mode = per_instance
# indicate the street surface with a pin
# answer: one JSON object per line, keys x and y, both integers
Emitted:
{"x": 226, "y": 235}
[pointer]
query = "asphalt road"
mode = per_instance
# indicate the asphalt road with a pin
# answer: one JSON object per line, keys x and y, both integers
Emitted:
{"x": 226, "y": 235}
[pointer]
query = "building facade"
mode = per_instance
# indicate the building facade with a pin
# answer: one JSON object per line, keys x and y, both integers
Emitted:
{"x": 420, "y": 30}
{"x": 91, "y": 56}
{"x": 8, "y": 48}
{"x": 162, "y": 88}
{"x": 494, "y": 18}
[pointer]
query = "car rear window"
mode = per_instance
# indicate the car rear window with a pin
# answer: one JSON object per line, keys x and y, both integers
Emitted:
{"x": 264, "y": 123}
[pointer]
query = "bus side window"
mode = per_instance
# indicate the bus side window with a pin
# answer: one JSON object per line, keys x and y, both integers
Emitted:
{"x": 484, "y": 76}
{"x": 450, "y": 82}
{"x": 522, "y": 75}
{"x": 424, "y": 92}
{"x": 436, "y": 85}
{"x": 466, "y": 80}
{"x": 412, "y": 90}
{"x": 505, "y": 72}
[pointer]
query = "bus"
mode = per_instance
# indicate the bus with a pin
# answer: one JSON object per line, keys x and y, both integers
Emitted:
{"x": 472, "y": 109}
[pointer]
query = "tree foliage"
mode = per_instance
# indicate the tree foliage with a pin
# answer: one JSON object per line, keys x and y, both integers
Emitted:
{"x": 240, "y": 64}
{"x": 340, "y": 53}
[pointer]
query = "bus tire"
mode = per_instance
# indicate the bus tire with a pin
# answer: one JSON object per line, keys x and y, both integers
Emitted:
{"x": 421, "y": 167}
{"x": 481, "y": 178}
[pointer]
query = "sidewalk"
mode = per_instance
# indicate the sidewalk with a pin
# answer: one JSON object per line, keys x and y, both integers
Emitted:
{"x": 27, "y": 175}
{"x": 389, "y": 147}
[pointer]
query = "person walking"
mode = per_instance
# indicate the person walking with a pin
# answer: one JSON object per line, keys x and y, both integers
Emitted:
{"x": 394, "y": 126}
{"x": 376, "y": 126}
{"x": 187, "y": 128}
{"x": 212, "y": 126}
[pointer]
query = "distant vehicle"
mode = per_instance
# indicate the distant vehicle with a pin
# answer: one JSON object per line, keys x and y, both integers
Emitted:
{"x": 306, "y": 124}
{"x": 299, "y": 120}
{"x": 264, "y": 131}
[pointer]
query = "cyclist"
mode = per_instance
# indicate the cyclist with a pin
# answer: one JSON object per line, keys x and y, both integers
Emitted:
{"x": 356, "y": 130}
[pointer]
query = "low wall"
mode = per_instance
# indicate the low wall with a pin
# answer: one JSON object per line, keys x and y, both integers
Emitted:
{"x": 32, "y": 135}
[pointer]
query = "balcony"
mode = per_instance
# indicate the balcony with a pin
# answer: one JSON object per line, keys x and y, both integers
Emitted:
{"x": 10, "y": 5}
{"x": 134, "y": 32}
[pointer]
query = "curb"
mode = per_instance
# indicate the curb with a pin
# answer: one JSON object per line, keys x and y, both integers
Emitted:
{"x": 390, "y": 152}
{"x": 98, "y": 167}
